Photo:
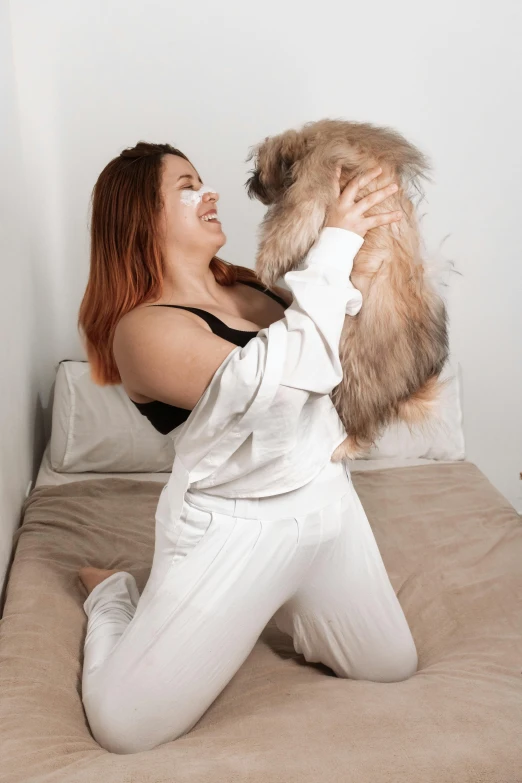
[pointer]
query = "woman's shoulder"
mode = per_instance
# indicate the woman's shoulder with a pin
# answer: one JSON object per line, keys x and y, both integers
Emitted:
{"x": 284, "y": 293}
{"x": 142, "y": 323}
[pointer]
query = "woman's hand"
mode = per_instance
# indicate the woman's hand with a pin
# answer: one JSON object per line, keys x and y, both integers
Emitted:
{"x": 349, "y": 214}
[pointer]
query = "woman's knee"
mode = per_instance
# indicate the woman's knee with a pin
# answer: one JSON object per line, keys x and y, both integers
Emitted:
{"x": 124, "y": 726}
{"x": 401, "y": 666}
{"x": 393, "y": 664}
{"x": 124, "y": 737}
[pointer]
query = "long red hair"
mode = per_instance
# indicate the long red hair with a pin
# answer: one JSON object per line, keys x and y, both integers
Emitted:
{"x": 126, "y": 263}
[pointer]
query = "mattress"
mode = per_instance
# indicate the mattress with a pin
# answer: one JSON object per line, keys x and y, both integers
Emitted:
{"x": 453, "y": 549}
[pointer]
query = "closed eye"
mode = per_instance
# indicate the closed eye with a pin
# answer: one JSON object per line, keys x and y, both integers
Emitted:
{"x": 190, "y": 177}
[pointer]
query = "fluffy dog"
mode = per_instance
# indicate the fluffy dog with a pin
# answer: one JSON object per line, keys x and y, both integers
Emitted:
{"x": 393, "y": 351}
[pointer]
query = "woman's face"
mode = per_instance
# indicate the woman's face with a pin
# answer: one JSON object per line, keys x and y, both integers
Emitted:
{"x": 182, "y": 225}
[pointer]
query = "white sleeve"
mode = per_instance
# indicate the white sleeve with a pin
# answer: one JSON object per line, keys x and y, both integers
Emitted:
{"x": 323, "y": 296}
{"x": 263, "y": 387}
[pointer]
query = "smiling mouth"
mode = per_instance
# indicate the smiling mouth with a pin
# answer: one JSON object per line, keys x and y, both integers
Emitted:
{"x": 210, "y": 218}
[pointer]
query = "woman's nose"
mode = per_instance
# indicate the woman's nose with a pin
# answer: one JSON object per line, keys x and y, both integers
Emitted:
{"x": 210, "y": 196}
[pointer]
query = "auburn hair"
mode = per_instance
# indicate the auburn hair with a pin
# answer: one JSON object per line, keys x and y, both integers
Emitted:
{"x": 126, "y": 262}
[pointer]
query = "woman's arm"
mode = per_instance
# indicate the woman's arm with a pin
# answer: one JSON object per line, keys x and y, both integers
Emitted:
{"x": 261, "y": 392}
{"x": 322, "y": 295}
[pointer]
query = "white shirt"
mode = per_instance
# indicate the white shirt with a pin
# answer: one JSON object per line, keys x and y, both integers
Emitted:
{"x": 266, "y": 424}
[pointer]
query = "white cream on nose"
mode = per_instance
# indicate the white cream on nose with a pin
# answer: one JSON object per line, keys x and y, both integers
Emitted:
{"x": 193, "y": 197}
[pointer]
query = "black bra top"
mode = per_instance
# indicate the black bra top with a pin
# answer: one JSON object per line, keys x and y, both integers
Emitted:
{"x": 165, "y": 417}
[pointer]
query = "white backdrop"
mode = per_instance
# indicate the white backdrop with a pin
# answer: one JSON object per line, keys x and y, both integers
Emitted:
{"x": 214, "y": 78}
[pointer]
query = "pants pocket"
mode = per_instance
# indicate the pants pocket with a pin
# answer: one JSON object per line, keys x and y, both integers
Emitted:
{"x": 175, "y": 540}
{"x": 192, "y": 526}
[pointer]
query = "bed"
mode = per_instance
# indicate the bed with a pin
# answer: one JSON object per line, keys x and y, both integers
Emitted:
{"x": 452, "y": 545}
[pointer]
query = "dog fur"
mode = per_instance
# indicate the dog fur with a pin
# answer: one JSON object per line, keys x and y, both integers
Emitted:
{"x": 393, "y": 351}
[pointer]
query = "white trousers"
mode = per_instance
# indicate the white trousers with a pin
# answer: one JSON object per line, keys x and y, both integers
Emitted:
{"x": 154, "y": 663}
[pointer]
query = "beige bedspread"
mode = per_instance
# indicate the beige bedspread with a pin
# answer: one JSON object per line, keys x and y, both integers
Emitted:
{"x": 453, "y": 548}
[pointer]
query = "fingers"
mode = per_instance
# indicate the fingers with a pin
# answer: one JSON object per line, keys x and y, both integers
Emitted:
{"x": 369, "y": 175}
{"x": 348, "y": 208}
{"x": 376, "y": 197}
{"x": 338, "y": 170}
{"x": 355, "y": 184}
{"x": 382, "y": 219}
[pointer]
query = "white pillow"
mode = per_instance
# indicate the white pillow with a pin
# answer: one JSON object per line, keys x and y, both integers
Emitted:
{"x": 441, "y": 439}
{"x": 97, "y": 428}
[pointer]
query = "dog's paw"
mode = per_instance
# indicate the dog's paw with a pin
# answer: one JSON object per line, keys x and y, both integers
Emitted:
{"x": 350, "y": 448}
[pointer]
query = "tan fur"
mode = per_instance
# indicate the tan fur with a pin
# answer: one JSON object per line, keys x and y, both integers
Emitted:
{"x": 394, "y": 349}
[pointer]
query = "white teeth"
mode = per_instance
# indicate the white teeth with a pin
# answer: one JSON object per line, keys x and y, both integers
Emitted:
{"x": 209, "y": 217}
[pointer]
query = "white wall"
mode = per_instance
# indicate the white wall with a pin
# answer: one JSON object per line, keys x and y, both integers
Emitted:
{"x": 26, "y": 325}
{"x": 214, "y": 78}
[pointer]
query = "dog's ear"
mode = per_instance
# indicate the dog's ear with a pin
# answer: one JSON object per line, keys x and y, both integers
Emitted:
{"x": 274, "y": 159}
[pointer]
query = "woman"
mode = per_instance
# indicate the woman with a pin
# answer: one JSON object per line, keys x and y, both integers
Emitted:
{"x": 255, "y": 521}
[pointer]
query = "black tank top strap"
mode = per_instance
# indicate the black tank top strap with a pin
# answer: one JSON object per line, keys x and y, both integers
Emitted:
{"x": 215, "y": 323}
{"x": 261, "y": 287}
{"x": 251, "y": 283}
{"x": 164, "y": 417}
